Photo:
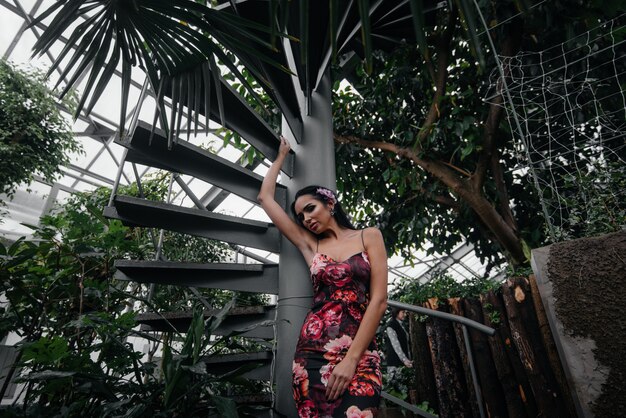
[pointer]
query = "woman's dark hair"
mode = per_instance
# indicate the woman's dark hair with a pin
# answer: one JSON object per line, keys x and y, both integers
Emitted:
{"x": 323, "y": 195}
{"x": 395, "y": 311}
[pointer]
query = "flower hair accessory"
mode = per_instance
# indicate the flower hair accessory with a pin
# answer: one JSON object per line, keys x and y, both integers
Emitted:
{"x": 328, "y": 195}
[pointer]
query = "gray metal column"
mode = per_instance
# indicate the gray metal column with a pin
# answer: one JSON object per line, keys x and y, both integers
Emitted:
{"x": 314, "y": 164}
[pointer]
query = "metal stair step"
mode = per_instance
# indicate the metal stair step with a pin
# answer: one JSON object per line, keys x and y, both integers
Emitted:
{"x": 186, "y": 158}
{"x": 238, "y": 318}
{"x": 133, "y": 211}
{"x": 258, "y": 278}
{"x": 241, "y": 118}
{"x": 221, "y": 364}
{"x": 253, "y": 399}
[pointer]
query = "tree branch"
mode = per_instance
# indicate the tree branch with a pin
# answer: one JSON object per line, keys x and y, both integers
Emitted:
{"x": 502, "y": 192}
{"x": 436, "y": 168}
{"x": 459, "y": 169}
{"x": 495, "y": 109}
{"x": 475, "y": 199}
{"x": 441, "y": 199}
{"x": 443, "y": 58}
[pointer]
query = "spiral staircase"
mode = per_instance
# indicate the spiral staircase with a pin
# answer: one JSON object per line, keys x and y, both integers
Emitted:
{"x": 304, "y": 100}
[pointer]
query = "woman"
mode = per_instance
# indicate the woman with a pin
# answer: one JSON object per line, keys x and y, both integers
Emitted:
{"x": 397, "y": 344}
{"x": 336, "y": 366}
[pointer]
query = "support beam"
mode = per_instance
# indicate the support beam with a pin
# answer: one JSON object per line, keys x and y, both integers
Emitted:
{"x": 446, "y": 262}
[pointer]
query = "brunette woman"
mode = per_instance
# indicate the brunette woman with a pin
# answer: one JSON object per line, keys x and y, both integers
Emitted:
{"x": 336, "y": 367}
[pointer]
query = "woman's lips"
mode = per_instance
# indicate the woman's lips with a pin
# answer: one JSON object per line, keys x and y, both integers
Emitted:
{"x": 313, "y": 226}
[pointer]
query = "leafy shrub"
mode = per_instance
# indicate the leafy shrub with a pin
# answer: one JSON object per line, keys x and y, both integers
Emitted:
{"x": 35, "y": 138}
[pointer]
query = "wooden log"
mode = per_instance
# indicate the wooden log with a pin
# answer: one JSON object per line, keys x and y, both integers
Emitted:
{"x": 424, "y": 377}
{"x": 451, "y": 389}
{"x": 529, "y": 317}
{"x": 486, "y": 370}
{"x": 510, "y": 349}
{"x": 457, "y": 308}
{"x": 550, "y": 347}
{"x": 512, "y": 396}
{"x": 513, "y": 296}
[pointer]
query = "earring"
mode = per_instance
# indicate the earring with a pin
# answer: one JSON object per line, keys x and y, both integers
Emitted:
{"x": 332, "y": 212}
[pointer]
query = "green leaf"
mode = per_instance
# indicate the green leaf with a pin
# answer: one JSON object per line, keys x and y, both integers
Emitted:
{"x": 166, "y": 39}
{"x": 366, "y": 32}
{"x": 214, "y": 321}
{"x": 16, "y": 246}
{"x": 333, "y": 17}
{"x": 468, "y": 17}
{"x": 527, "y": 250}
{"x": 225, "y": 406}
{"x": 46, "y": 350}
{"x": 417, "y": 10}
{"x": 198, "y": 368}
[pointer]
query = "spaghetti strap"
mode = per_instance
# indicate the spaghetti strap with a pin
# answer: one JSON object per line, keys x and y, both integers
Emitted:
{"x": 362, "y": 240}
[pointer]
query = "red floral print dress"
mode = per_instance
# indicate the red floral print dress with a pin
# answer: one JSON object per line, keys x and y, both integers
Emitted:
{"x": 341, "y": 295}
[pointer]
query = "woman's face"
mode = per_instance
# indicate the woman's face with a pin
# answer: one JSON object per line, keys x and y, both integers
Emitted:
{"x": 312, "y": 213}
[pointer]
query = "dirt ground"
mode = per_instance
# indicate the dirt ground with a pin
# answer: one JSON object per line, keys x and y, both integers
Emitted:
{"x": 589, "y": 279}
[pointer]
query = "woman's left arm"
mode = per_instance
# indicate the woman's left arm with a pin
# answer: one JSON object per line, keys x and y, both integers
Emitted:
{"x": 344, "y": 371}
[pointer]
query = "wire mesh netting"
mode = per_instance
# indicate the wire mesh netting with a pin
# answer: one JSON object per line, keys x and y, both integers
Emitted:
{"x": 566, "y": 106}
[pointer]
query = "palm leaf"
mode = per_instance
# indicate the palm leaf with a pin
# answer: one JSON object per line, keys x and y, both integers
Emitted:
{"x": 333, "y": 26}
{"x": 468, "y": 17}
{"x": 173, "y": 40}
{"x": 417, "y": 10}
{"x": 366, "y": 31}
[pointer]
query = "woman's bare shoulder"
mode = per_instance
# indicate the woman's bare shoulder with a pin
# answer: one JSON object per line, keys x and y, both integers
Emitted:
{"x": 372, "y": 232}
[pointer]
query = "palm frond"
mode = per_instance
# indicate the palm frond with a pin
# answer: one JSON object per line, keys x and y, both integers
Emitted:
{"x": 417, "y": 11}
{"x": 173, "y": 41}
{"x": 366, "y": 31}
{"x": 468, "y": 17}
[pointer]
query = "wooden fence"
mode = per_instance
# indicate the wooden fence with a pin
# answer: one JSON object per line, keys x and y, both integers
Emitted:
{"x": 519, "y": 371}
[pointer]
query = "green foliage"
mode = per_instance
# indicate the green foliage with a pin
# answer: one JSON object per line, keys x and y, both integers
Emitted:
{"x": 35, "y": 138}
{"x": 406, "y": 201}
{"x": 593, "y": 203}
{"x": 442, "y": 286}
{"x": 391, "y": 104}
{"x": 493, "y": 314}
{"x": 77, "y": 322}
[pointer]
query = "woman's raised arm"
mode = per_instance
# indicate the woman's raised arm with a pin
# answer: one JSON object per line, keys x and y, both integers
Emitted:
{"x": 294, "y": 233}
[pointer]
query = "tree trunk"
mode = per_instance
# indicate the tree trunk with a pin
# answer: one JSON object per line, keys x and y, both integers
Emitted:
{"x": 425, "y": 388}
{"x": 552, "y": 354}
{"x": 544, "y": 395}
{"x": 451, "y": 388}
{"x": 529, "y": 317}
{"x": 510, "y": 349}
{"x": 486, "y": 370}
{"x": 512, "y": 395}
{"x": 457, "y": 309}
{"x": 506, "y": 236}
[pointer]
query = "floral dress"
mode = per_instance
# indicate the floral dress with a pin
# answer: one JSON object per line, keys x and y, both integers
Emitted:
{"x": 341, "y": 295}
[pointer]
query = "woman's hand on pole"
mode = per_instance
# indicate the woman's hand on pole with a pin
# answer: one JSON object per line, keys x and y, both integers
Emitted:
{"x": 284, "y": 147}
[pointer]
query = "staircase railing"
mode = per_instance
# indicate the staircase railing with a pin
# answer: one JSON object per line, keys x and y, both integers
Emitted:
{"x": 465, "y": 322}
